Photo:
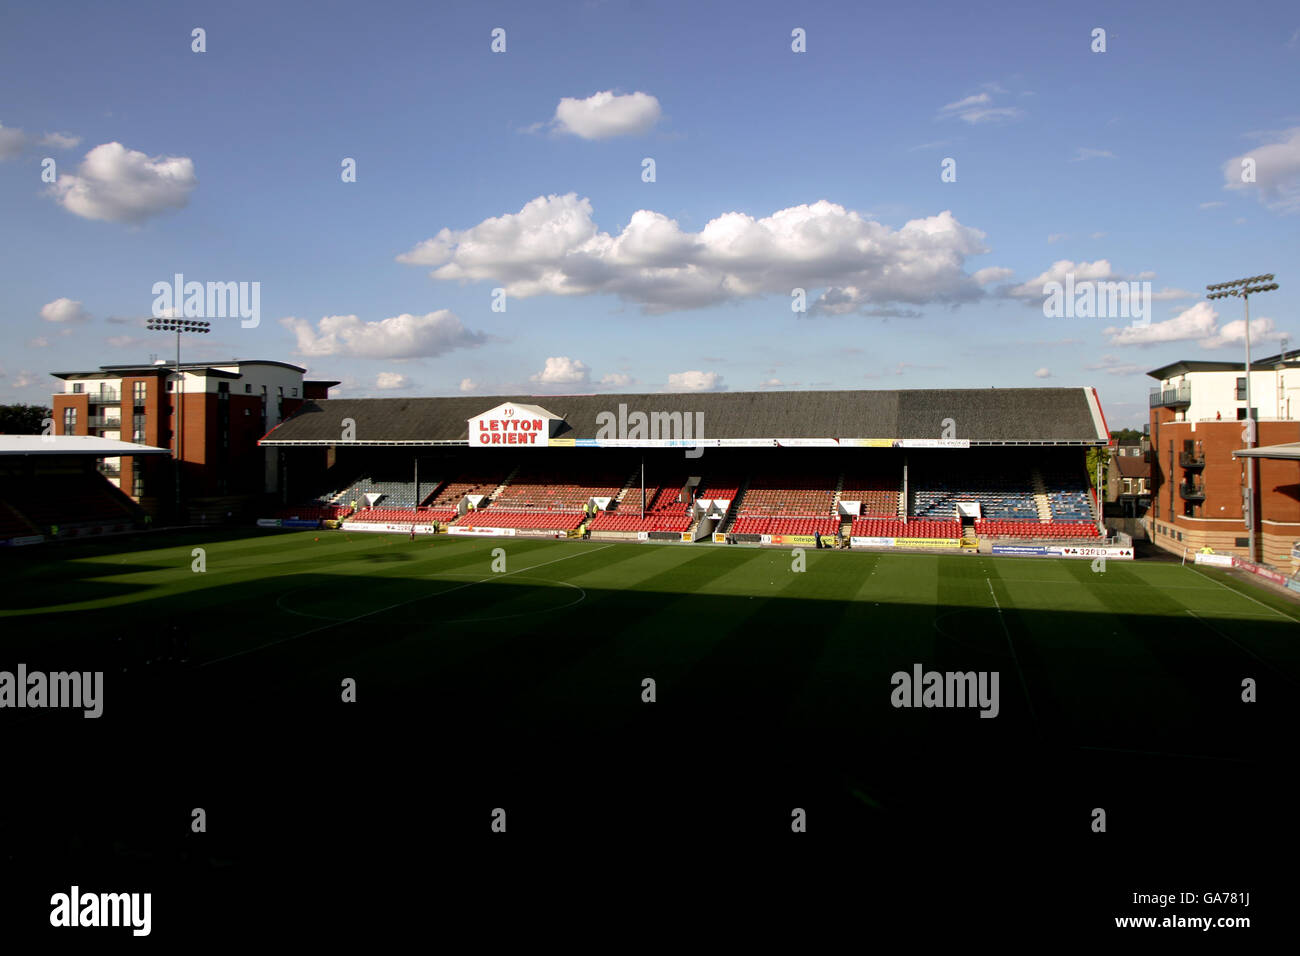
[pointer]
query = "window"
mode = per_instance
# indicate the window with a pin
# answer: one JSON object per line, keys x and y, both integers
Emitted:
{"x": 248, "y": 388}
{"x": 137, "y": 482}
{"x": 69, "y": 421}
{"x": 1241, "y": 388}
{"x": 78, "y": 388}
{"x": 140, "y": 390}
{"x": 223, "y": 391}
{"x": 1180, "y": 536}
{"x": 1242, "y": 542}
{"x": 170, "y": 385}
{"x": 295, "y": 392}
{"x": 1241, "y": 414}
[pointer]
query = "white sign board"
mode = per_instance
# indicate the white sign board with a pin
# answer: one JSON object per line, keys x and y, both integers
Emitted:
{"x": 513, "y": 425}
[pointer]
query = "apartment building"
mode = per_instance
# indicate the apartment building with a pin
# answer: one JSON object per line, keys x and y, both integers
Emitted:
{"x": 223, "y": 409}
{"x": 1198, "y": 489}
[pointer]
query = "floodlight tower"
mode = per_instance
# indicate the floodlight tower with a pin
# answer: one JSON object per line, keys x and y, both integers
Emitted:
{"x": 1245, "y": 288}
{"x": 197, "y": 327}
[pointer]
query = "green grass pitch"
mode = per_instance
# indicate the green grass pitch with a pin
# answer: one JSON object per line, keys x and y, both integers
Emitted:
{"x": 522, "y": 688}
{"x": 1141, "y": 656}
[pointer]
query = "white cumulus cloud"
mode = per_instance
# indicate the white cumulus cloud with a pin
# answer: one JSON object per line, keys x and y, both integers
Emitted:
{"x": 562, "y": 370}
{"x": 61, "y": 140}
{"x": 386, "y": 381}
{"x": 116, "y": 184}
{"x": 398, "y": 337}
{"x": 1197, "y": 324}
{"x": 1277, "y": 171}
{"x": 695, "y": 381}
{"x": 1100, "y": 270}
{"x": 64, "y": 310}
{"x": 607, "y": 114}
{"x": 992, "y": 274}
{"x": 552, "y": 246}
{"x": 1234, "y": 333}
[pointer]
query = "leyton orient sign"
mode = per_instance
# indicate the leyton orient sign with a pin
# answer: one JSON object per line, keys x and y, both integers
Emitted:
{"x": 512, "y": 424}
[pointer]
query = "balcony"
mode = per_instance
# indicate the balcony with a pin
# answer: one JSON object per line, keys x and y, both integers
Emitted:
{"x": 1190, "y": 459}
{"x": 1192, "y": 491}
{"x": 1179, "y": 397}
{"x": 111, "y": 470}
{"x": 105, "y": 396}
{"x": 100, "y": 421}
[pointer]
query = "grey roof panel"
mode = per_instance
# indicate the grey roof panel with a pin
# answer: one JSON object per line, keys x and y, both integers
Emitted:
{"x": 980, "y": 415}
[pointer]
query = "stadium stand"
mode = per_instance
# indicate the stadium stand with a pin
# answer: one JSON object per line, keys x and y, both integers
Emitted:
{"x": 448, "y": 494}
{"x": 788, "y": 495}
{"x": 534, "y": 488}
{"x": 895, "y": 528}
{"x": 1035, "y": 529}
{"x": 528, "y": 520}
{"x": 782, "y": 460}
{"x": 1068, "y": 495}
{"x": 14, "y": 525}
{"x": 664, "y": 512}
{"x": 745, "y": 524}
{"x": 723, "y": 487}
{"x": 402, "y": 515}
{"x": 878, "y": 490}
{"x": 660, "y": 521}
{"x": 312, "y": 512}
{"x": 1000, "y": 496}
{"x": 69, "y": 500}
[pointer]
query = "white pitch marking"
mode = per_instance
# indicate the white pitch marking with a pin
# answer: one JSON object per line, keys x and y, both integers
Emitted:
{"x": 1246, "y": 596}
{"x": 1024, "y": 686}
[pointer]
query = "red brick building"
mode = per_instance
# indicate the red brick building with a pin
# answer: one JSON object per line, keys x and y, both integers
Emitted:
{"x": 1198, "y": 488}
{"x": 225, "y": 408}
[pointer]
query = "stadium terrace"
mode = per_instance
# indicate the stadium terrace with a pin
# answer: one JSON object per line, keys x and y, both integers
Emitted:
{"x": 936, "y": 469}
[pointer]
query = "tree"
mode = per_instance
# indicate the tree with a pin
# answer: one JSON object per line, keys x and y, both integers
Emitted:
{"x": 1126, "y": 434}
{"x": 24, "y": 419}
{"x": 1094, "y": 456}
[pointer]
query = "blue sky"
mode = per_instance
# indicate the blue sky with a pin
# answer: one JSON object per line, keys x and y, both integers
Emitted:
{"x": 806, "y": 168}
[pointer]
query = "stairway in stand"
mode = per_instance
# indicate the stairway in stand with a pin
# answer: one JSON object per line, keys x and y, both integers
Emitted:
{"x": 1040, "y": 495}
{"x": 502, "y": 487}
{"x": 633, "y": 481}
